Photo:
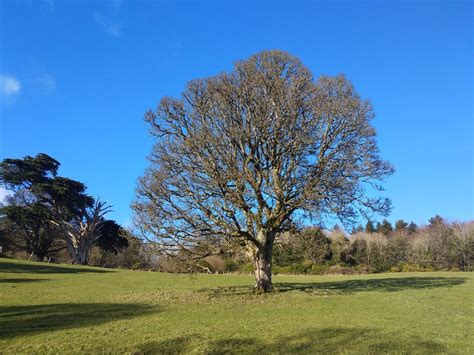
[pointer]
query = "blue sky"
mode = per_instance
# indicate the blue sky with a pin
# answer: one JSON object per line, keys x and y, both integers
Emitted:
{"x": 76, "y": 78}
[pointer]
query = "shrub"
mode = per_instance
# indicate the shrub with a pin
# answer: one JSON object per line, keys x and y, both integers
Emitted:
{"x": 216, "y": 263}
{"x": 395, "y": 269}
{"x": 340, "y": 270}
{"x": 415, "y": 268}
{"x": 230, "y": 265}
{"x": 318, "y": 269}
{"x": 247, "y": 268}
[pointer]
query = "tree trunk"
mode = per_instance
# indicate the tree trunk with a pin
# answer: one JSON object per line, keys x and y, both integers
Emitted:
{"x": 79, "y": 252}
{"x": 40, "y": 256}
{"x": 81, "y": 256}
{"x": 263, "y": 269}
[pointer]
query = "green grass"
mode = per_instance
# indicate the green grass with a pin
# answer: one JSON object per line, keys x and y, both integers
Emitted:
{"x": 48, "y": 308}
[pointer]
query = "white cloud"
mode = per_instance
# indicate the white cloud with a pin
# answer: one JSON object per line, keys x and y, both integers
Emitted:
{"x": 112, "y": 27}
{"x": 9, "y": 86}
{"x": 4, "y": 193}
{"x": 47, "y": 83}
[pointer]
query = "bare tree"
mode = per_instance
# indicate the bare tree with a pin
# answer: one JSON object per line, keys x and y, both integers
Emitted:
{"x": 241, "y": 153}
{"x": 83, "y": 230}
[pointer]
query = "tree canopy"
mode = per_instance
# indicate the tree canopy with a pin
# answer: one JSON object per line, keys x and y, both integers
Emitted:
{"x": 240, "y": 154}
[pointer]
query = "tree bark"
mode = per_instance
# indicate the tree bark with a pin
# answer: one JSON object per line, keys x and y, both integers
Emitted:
{"x": 40, "y": 256}
{"x": 79, "y": 253}
{"x": 263, "y": 268}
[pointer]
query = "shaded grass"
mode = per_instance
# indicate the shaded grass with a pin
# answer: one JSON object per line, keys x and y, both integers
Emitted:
{"x": 43, "y": 268}
{"x": 348, "y": 286}
{"x": 24, "y": 320}
{"x": 20, "y": 280}
{"x": 47, "y": 308}
{"x": 326, "y": 341}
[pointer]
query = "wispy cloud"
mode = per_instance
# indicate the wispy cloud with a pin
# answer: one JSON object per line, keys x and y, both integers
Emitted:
{"x": 9, "y": 86}
{"x": 10, "y": 89}
{"x": 4, "y": 193}
{"x": 47, "y": 82}
{"x": 109, "y": 25}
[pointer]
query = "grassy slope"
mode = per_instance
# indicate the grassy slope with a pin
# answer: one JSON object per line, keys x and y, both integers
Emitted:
{"x": 49, "y": 308}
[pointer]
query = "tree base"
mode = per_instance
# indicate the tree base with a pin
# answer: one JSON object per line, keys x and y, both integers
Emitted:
{"x": 258, "y": 290}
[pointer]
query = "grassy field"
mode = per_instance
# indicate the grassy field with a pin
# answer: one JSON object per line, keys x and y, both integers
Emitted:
{"x": 69, "y": 309}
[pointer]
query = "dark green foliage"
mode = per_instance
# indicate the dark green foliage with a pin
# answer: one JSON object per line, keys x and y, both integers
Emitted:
{"x": 288, "y": 254}
{"x": 436, "y": 221}
{"x": 444, "y": 246}
{"x": 401, "y": 225}
{"x": 230, "y": 265}
{"x": 397, "y": 250}
{"x": 339, "y": 247}
{"x": 310, "y": 244}
{"x": 316, "y": 246}
{"x": 23, "y": 173}
{"x": 133, "y": 256}
{"x": 112, "y": 238}
{"x": 412, "y": 228}
{"x": 357, "y": 253}
{"x": 385, "y": 227}
{"x": 68, "y": 196}
{"x": 296, "y": 268}
{"x": 28, "y": 228}
{"x": 369, "y": 227}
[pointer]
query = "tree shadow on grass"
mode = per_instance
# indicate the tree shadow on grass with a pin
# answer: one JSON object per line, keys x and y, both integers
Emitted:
{"x": 39, "y": 268}
{"x": 347, "y": 286}
{"x": 17, "y": 280}
{"x": 18, "y": 321}
{"x": 311, "y": 341}
{"x": 367, "y": 285}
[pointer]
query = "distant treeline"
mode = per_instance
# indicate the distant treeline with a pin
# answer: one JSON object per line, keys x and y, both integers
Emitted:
{"x": 381, "y": 247}
{"x": 438, "y": 246}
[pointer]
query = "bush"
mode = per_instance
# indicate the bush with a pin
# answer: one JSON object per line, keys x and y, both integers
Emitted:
{"x": 340, "y": 270}
{"x": 247, "y": 268}
{"x": 415, "y": 268}
{"x": 299, "y": 268}
{"x": 318, "y": 269}
{"x": 395, "y": 269}
{"x": 230, "y": 265}
{"x": 216, "y": 263}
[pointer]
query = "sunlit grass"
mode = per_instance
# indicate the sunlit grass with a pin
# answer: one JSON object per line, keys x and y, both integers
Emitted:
{"x": 69, "y": 309}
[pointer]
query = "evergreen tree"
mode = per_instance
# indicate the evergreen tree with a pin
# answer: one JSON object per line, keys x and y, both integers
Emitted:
{"x": 400, "y": 225}
{"x": 385, "y": 227}
{"x": 369, "y": 227}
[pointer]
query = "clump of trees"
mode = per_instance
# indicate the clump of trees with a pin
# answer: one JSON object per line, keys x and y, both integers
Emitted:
{"x": 48, "y": 213}
{"x": 137, "y": 255}
{"x": 407, "y": 247}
